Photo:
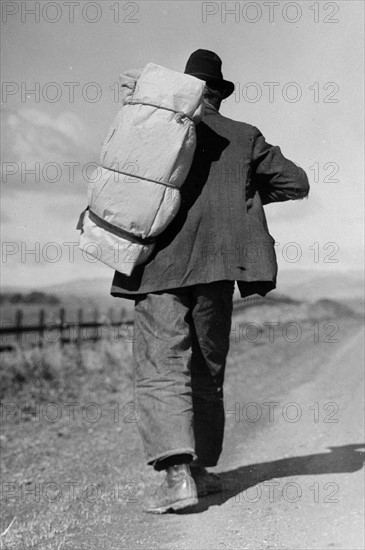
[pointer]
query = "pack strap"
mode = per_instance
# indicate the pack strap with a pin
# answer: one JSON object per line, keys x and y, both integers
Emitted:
{"x": 118, "y": 231}
{"x": 80, "y": 223}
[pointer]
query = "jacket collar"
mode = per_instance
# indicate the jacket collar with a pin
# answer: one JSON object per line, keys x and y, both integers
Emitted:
{"x": 210, "y": 110}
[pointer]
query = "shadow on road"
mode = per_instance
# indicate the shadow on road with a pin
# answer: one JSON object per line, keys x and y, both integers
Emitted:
{"x": 344, "y": 459}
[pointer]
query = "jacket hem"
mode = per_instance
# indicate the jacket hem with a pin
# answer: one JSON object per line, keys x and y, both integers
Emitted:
{"x": 246, "y": 288}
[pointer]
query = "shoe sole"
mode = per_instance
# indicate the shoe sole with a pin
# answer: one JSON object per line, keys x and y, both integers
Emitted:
{"x": 178, "y": 505}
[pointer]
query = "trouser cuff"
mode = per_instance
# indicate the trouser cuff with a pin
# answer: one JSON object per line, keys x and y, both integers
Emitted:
{"x": 173, "y": 460}
{"x": 188, "y": 453}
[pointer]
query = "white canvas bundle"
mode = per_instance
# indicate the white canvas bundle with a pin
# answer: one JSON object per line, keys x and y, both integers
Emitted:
{"x": 145, "y": 159}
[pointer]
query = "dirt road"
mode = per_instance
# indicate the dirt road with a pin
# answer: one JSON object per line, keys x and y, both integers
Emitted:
{"x": 292, "y": 462}
{"x": 301, "y": 485}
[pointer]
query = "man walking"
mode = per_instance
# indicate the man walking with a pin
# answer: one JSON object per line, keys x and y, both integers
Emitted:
{"x": 183, "y": 295}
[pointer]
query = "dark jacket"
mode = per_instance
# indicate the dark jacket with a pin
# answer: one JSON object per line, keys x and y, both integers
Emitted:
{"x": 220, "y": 231}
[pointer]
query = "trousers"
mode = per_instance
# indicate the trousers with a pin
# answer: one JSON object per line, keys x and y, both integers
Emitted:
{"x": 180, "y": 348}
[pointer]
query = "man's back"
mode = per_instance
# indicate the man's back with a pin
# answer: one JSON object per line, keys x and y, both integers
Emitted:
{"x": 220, "y": 232}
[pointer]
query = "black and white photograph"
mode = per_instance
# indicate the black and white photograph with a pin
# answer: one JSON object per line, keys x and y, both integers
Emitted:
{"x": 182, "y": 275}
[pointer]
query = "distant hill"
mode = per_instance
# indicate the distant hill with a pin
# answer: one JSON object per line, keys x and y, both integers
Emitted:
{"x": 302, "y": 285}
{"x": 33, "y": 297}
{"x": 81, "y": 287}
{"x": 82, "y": 293}
{"x": 90, "y": 291}
{"x": 345, "y": 287}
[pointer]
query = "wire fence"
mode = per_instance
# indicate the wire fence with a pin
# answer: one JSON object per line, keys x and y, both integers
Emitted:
{"x": 62, "y": 330}
{"x": 114, "y": 324}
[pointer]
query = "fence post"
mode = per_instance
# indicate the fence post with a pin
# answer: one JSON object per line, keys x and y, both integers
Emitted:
{"x": 62, "y": 324}
{"x": 80, "y": 320}
{"x": 41, "y": 323}
{"x": 19, "y": 324}
{"x": 96, "y": 319}
{"x": 111, "y": 327}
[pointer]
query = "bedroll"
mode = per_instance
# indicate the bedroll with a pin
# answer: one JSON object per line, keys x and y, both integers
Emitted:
{"x": 145, "y": 159}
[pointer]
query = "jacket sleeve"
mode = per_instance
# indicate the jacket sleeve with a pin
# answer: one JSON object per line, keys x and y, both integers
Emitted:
{"x": 277, "y": 178}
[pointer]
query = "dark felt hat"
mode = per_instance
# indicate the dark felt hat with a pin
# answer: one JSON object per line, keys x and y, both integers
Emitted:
{"x": 207, "y": 66}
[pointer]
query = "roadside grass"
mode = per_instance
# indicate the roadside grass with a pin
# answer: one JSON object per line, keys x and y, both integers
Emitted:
{"x": 55, "y": 371}
{"x": 66, "y": 413}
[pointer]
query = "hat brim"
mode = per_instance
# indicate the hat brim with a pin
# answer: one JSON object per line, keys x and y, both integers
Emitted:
{"x": 225, "y": 86}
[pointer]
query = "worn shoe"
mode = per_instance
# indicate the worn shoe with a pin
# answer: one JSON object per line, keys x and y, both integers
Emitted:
{"x": 206, "y": 482}
{"x": 178, "y": 491}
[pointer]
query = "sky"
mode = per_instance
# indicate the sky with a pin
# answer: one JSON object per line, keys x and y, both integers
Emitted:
{"x": 298, "y": 72}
